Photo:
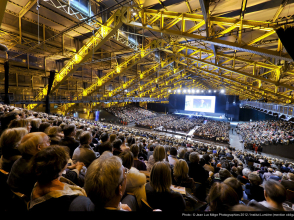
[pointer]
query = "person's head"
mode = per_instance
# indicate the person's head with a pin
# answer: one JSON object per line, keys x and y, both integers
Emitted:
{"x": 53, "y": 131}
{"x": 117, "y": 143}
{"x": 194, "y": 157}
{"x": 86, "y": 137}
{"x": 246, "y": 172}
{"x": 254, "y": 179}
{"x": 159, "y": 153}
{"x": 34, "y": 142}
{"x": 274, "y": 191}
{"x": 49, "y": 163}
{"x": 105, "y": 146}
{"x": 207, "y": 158}
{"x": 160, "y": 177}
{"x": 43, "y": 126}
{"x": 130, "y": 140}
{"x": 290, "y": 176}
{"x": 69, "y": 130}
{"x": 173, "y": 151}
{"x": 222, "y": 197}
{"x": 181, "y": 169}
{"x": 78, "y": 134}
{"x": 135, "y": 150}
{"x": 20, "y": 122}
{"x": 236, "y": 185}
{"x": 104, "y": 137}
{"x": 127, "y": 158}
{"x": 182, "y": 152}
{"x": 7, "y": 118}
{"x": 112, "y": 137}
{"x": 35, "y": 124}
{"x": 10, "y": 139}
{"x": 122, "y": 138}
{"x": 224, "y": 174}
{"x": 105, "y": 180}
{"x": 86, "y": 156}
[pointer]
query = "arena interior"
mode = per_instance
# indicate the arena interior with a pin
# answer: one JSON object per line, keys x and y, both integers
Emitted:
{"x": 158, "y": 106}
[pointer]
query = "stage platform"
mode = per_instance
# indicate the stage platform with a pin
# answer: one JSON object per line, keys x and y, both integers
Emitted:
{"x": 213, "y": 116}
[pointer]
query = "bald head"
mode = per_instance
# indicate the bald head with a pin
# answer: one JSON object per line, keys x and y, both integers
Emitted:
{"x": 32, "y": 143}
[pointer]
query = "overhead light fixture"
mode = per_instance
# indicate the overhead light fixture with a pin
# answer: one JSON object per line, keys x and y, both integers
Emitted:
{"x": 214, "y": 91}
{"x": 189, "y": 90}
{"x": 209, "y": 91}
{"x": 222, "y": 91}
{"x": 193, "y": 91}
{"x": 179, "y": 91}
{"x": 169, "y": 90}
{"x": 202, "y": 91}
{"x": 197, "y": 91}
{"x": 184, "y": 90}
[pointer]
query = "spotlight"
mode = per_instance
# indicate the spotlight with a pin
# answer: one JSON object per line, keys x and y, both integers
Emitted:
{"x": 184, "y": 90}
{"x": 169, "y": 91}
{"x": 179, "y": 91}
{"x": 197, "y": 91}
{"x": 214, "y": 91}
{"x": 202, "y": 91}
{"x": 189, "y": 91}
{"x": 209, "y": 91}
{"x": 193, "y": 91}
{"x": 222, "y": 91}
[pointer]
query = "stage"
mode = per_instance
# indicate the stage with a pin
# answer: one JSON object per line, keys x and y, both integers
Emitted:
{"x": 212, "y": 116}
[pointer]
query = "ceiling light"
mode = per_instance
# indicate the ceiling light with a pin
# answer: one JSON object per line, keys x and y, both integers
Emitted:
{"x": 197, "y": 91}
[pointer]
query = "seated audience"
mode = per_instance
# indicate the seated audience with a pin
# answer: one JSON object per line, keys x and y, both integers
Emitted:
{"x": 52, "y": 192}
{"x": 158, "y": 191}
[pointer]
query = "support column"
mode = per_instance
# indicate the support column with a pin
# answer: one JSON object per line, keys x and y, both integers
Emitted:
{"x": 6, "y": 69}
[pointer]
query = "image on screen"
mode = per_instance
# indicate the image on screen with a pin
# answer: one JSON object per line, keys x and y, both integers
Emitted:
{"x": 200, "y": 103}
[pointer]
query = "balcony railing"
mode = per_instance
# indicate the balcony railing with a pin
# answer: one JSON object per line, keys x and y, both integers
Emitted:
{"x": 271, "y": 108}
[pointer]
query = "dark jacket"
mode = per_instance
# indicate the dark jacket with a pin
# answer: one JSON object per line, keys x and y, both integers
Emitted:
{"x": 165, "y": 201}
{"x": 254, "y": 192}
{"x": 71, "y": 143}
{"x": 288, "y": 184}
{"x": 21, "y": 178}
{"x": 197, "y": 172}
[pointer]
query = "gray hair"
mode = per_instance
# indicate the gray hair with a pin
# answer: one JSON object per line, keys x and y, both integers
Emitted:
{"x": 246, "y": 172}
{"x": 102, "y": 179}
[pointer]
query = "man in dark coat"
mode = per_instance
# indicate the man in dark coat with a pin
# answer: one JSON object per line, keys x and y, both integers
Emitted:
{"x": 69, "y": 133}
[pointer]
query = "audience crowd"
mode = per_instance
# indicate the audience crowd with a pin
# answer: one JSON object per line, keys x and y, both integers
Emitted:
{"x": 214, "y": 130}
{"x": 131, "y": 113}
{"x": 266, "y": 132}
{"x": 51, "y": 164}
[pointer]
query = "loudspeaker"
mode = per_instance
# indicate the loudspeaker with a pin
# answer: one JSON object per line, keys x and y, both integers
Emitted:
{"x": 136, "y": 92}
{"x": 50, "y": 81}
{"x": 157, "y": 86}
{"x": 286, "y": 37}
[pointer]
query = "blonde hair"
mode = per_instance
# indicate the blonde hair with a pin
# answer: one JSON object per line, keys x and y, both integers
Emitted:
{"x": 160, "y": 177}
{"x": 159, "y": 153}
{"x": 181, "y": 169}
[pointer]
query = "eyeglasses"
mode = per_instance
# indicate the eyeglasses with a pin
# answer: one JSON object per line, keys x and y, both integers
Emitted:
{"x": 126, "y": 172}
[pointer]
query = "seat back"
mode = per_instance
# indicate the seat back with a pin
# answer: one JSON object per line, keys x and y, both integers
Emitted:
{"x": 147, "y": 174}
{"x": 290, "y": 195}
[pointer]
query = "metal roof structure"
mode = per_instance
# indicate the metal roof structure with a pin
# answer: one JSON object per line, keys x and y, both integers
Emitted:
{"x": 150, "y": 49}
